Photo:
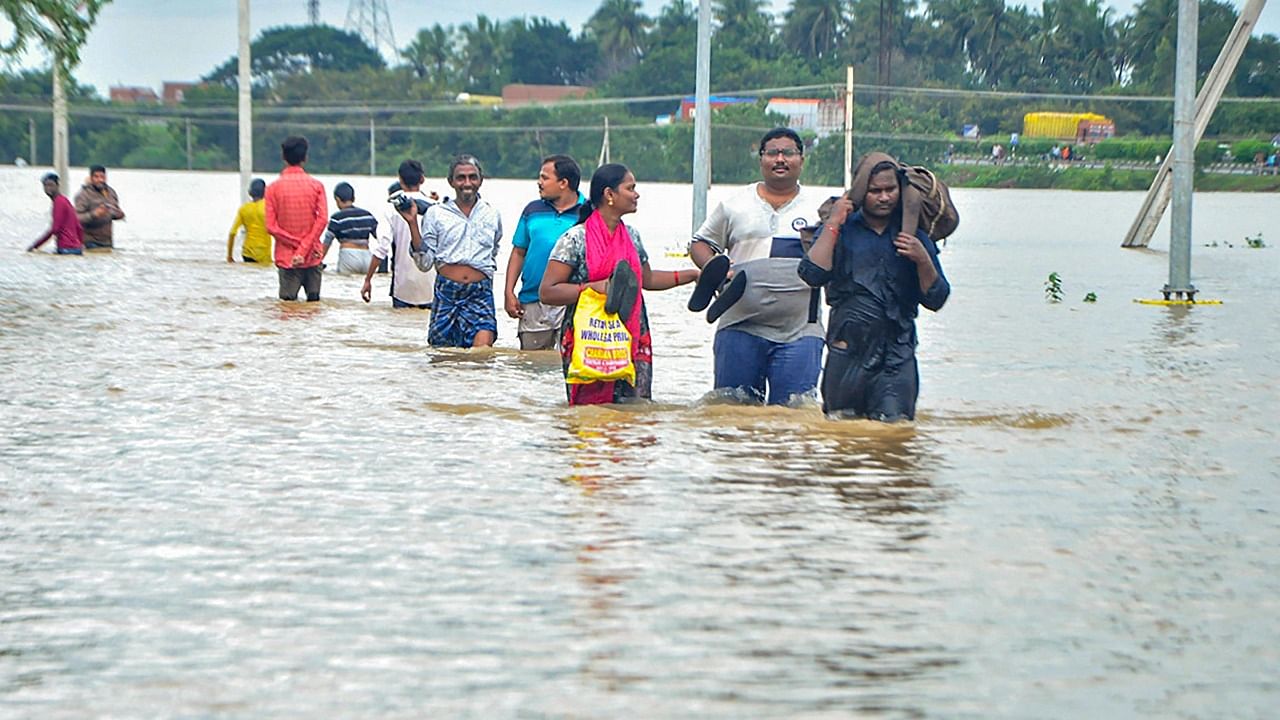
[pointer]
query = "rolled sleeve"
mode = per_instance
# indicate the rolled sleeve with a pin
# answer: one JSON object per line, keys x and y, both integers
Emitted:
{"x": 714, "y": 229}
{"x": 811, "y": 274}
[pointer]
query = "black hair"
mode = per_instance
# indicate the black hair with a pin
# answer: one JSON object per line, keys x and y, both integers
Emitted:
{"x": 608, "y": 176}
{"x": 50, "y": 176}
{"x": 294, "y": 149}
{"x": 344, "y": 192}
{"x": 257, "y": 188}
{"x": 465, "y": 159}
{"x": 411, "y": 173}
{"x": 782, "y": 132}
{"x": 566, "y": 169}
{"x": 96, "y": 168}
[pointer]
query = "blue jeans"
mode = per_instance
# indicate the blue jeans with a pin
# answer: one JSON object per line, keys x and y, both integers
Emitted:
{"x": 748, "y": 363}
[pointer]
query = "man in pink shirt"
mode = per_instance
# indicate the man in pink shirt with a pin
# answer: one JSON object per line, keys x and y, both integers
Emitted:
{"x": 65, "y": 224}
{"x": 297, "y": 214}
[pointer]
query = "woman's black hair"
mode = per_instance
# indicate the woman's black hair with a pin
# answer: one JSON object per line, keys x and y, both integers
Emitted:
{"x": 608, "y": 176}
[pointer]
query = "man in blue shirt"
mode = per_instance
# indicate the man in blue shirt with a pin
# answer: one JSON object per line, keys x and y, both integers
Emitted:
{"x": 542, "y": 222}
{"x": 877, "y": 277}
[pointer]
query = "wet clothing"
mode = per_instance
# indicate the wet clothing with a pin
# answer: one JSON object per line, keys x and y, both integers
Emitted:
{"x": 589, "y": 261}
{"x": 539, "y": 326}
{"x": 764, "y": 244}
{"x": 296, "y": 213}
{"x": 410, "y": 286}
{"x": 97, "y": 230}
{"x": 460, "y": 311}
{"x": 540, "y": 226}
{"x": 871, "y": 339}
{"x": 452, "y": 237}
{"x": 252, "y": 216}
{"x": 351, "y": 226}
{"x": 65, "y": 227}
{"x": 293, "y": 279}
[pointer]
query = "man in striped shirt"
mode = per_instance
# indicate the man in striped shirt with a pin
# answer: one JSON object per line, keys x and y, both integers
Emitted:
{"x": 297, "y": 214}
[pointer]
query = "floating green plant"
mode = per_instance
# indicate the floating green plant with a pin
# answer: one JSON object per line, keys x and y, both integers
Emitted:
{"x": 1053, "y": 288}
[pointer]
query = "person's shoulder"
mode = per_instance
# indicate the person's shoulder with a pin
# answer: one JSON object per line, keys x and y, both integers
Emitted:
{"x": 535, "y": 207}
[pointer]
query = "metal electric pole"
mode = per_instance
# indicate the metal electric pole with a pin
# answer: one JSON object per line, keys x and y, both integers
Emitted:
{"x": 702, "y": 116}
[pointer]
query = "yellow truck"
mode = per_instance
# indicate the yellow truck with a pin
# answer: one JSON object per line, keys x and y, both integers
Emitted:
{"x": 1079, "y": 127}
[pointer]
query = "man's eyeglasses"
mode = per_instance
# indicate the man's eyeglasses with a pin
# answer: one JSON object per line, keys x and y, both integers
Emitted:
{"x": 780, "y": 152}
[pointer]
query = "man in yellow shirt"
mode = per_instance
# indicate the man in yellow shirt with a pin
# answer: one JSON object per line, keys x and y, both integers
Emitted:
{"x": 252, "y": 215}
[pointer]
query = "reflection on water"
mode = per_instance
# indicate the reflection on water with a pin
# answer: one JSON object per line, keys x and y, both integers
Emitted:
{"x": 214, "y": 503}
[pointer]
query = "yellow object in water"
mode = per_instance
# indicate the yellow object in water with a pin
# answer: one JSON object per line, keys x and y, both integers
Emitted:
{"x": 1152, "y": 301}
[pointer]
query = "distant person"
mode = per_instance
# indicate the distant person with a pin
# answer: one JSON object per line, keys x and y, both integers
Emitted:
{"x": 65, "y": 225}
{"x": 593, "y": 254}
{"x": 297, "y": 214}
{"x": 411, "y": 288}
{"x": 252, "y": 216}
{"x": 876, "y": 278}
{"x": 768, "y": 346}
{"x": 459, "y": 239}
{"x": 352, "y": 227}
{"x": 97, "y": 206}
{"x": 541, "y": 224}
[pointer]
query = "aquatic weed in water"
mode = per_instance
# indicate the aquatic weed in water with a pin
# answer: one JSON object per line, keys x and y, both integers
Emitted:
{"x": 1053, "y": 288}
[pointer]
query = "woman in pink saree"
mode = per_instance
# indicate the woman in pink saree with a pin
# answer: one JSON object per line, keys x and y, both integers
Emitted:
{"x": 592, "y": 254}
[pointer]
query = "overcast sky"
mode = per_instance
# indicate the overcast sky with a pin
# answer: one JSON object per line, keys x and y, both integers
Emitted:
{"x": 146, "y": 42}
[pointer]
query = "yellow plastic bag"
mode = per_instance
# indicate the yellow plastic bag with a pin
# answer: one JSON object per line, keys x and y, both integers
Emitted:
{"x": 601, "y": 344}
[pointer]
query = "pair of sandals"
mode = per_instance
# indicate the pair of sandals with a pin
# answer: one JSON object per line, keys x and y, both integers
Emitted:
{"x": 711, "y": 293}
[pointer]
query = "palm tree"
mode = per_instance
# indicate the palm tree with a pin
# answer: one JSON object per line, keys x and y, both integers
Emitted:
{"x": 814, "y": 28}
{"x": 431, "y": 53}
{"x": 619, "y": 29}
{"x": 745, "y": 24}
{"x": 483, "y": 55}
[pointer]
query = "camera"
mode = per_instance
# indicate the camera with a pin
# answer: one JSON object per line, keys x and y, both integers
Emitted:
{"x": 400, "y": 200}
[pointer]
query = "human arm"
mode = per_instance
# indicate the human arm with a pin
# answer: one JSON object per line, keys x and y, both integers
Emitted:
{"x": 113, "y": 205}
{"x": 328, "y": 240}
{"x": 667, "y": 279}
{"x": 515, "y": 264}
{"x": 366, "y": 291}
{"x": 286, "y": 242}
{"x": 231, "y": 236}
{"x": 710, "y": 238}
{"x": 556, "y": 288}
{"x": 313, "y": 251}
{"x": 934, "y": 288}
{"x": 822, "y": 254}
{"x": 422, "y": 243}
{"x": 84, "y": 213}
{"x": 41, "y": 240}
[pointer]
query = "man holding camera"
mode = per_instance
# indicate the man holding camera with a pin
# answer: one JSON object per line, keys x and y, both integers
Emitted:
{"x": 459, "y": 238}
{"x": 410, "y": 287}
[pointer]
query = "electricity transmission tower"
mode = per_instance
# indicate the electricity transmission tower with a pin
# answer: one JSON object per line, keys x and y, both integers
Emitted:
{"x": 370, "y": 20}
{"x": 313, "y": 12}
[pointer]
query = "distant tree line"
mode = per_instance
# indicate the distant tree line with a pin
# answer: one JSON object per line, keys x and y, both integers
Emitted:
{"x": 332, "y": 86}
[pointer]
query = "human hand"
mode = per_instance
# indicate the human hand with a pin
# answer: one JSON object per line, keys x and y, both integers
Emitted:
{"x": 297, "y": 261}
{"x": 230, "y": 259}
{"x": 840, "y": 211}
{"x": 513, "y": 307}
{"x": 410, "y": 213}
{"x": 101, "y": 211}
{"x": 910, "y": 247}
{"x": 366, "y": 292}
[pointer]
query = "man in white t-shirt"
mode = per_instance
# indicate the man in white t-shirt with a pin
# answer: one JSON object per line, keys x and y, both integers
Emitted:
{"x": 410, "y": 286}
{"x": 768, "y": 346}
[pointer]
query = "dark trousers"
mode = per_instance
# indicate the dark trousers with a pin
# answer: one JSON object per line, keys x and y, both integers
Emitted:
{"x": 291, "y": 279}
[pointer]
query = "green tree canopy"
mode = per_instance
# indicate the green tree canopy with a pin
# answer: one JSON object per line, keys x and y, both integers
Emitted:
{"x": 293, "y": 50}
{"x": 60, "y": 26}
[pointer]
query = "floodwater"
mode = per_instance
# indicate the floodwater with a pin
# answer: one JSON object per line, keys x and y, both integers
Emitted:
{"x": 213, "y": 503}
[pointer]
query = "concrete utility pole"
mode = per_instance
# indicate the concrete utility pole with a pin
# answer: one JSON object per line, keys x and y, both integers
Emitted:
{"x": 246, "y": 102}
{"x": 61, "y": 140}
{"x": 702, "y": 116}
{"x": 1184, "y": 146}
{"x": 1157, "y": 199}
{"x": 848, "y": 127}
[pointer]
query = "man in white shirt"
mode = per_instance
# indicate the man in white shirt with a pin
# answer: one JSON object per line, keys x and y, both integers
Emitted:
{"x": 411, "y": 287}
{"x": 769, "y": 343}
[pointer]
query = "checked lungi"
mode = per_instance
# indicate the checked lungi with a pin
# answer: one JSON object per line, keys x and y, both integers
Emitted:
{"x": 460, "y": 310}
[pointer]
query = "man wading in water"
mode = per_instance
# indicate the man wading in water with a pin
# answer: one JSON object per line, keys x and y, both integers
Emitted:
{"x": 876, "y": 278}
